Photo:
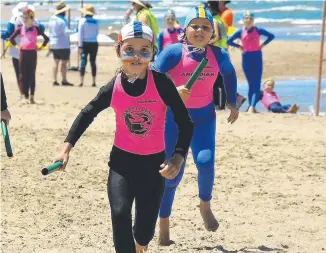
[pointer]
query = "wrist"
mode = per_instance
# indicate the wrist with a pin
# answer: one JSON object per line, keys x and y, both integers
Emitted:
{"x": 179, "y": 158}
{"x": 67, "y": 147}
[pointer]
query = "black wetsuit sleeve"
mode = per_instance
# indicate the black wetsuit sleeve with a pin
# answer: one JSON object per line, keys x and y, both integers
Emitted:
{"x": 87, "y": 115}
{"x": 171, "y": 98}
{"x": 4, "y": 105}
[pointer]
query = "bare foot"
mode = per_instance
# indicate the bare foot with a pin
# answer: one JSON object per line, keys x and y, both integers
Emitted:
{"x": 141, "y": 249}
{"x": 210, "y": 222}
{"x": 252, "y": 109}
{"x": 164, "y": 234}
{"x": 293, "y": 109}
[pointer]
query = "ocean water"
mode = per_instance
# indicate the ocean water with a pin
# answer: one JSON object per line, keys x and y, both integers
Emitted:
{"x": 301, "y": 92}
{"x": 288, "y": 20}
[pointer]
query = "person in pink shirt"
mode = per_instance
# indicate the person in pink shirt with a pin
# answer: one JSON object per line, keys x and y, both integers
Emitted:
{"x": 170, "y": 35}
{"x": 139, "y": 97}
{"x": 271, "y": 101}
{"x": 28, "y": 33}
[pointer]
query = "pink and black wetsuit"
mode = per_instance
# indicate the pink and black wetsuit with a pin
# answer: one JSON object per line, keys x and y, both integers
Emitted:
{"x": 28, "y": 56}
{"x": 138, "y": 150}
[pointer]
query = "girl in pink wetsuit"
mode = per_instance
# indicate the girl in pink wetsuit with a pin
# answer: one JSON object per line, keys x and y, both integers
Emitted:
{"x": 28, "y": 53}
{"x": 169, "y": 35}
{"x": 140, "y": 98}
{"x": 271, "y": 101}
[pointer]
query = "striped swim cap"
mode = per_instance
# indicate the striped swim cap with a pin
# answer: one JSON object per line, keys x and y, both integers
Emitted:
{"x": 199, "y": 12}
{"x": 136, "y": 29}
{"x": 248, "y": 14}
{"x": 169, "y": 13}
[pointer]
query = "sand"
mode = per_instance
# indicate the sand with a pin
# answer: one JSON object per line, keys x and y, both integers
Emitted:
{"x": 269, "y": 193}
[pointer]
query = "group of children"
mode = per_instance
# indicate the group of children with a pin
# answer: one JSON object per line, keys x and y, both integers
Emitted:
{"x": 252, "y": 60}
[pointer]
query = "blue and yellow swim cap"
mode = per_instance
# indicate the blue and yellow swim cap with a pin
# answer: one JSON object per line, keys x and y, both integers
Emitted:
{"x": 169, "y": 13}
{"x": 248, "y": 14}
{"x": 199, "y": 12}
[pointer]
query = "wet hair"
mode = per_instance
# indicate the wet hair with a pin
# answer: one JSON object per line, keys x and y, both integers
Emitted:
{"x": 269, "y": 80}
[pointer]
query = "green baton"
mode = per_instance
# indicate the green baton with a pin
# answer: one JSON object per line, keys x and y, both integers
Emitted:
{"x": 52, "y": 168}
{"x": 6, "y": 138}
{"x": 197, "y": 72}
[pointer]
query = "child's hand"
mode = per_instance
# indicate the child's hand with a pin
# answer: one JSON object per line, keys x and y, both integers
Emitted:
{"x": 184, "y": 93}
{"x": 171, "y": 168}
{"x": 63, "y": 155}
{"x": 234, "y": 114}
{"x": 18, "y": 47}
{"x": 241, "y": 48}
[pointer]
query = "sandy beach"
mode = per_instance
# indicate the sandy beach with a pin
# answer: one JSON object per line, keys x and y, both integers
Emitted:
{"x": 269, "y": 193}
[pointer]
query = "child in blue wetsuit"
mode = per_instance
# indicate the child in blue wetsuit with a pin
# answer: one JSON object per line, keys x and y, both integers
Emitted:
{"x": 252, "y": 58}
{"x": 179, "y": 61}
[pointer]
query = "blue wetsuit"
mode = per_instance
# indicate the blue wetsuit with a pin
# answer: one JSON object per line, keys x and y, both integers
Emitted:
{"x": 252, "y": 64}
{"x": 203, "y": 140}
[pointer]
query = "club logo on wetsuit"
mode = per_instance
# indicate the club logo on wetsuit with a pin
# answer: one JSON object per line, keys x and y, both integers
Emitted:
{"x": 201, "y": 77}
{"x": 139, "y": 121}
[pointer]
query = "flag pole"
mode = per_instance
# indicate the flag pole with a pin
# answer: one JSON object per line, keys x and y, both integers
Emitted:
{"x": 321, "y": 60}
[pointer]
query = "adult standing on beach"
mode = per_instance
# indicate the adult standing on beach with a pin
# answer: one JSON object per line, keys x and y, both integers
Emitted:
{"x": 59, "y": 35}
{"x": 15, "y": 22}
{"x": 145, "y": 15}
{"x": 139, "y": 97}
{"x": 220, "y": 41}
{"x": 252, "y": 57}
{"x": 226, "y": 13}
{"x": 88, "y": 30}
{"x": 179, "y": 61}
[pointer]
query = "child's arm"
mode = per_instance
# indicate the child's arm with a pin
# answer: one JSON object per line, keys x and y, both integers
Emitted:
{"x": 88, "y": 114}
{"x": 14, "y": 35}
{"x": 80, "y": 33}
{"x": 46, "y": 38}
{"x": 236, "y": 35}
{"x": 160, "y": 43}
{"x": 264, "y": 32}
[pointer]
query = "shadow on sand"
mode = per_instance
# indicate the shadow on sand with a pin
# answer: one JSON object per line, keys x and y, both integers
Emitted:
{"x": 261, "y": 249}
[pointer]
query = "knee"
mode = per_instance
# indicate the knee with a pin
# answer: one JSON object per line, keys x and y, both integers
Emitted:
{"x": 120, "y": 213}
{"x": 205, "y": 158}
